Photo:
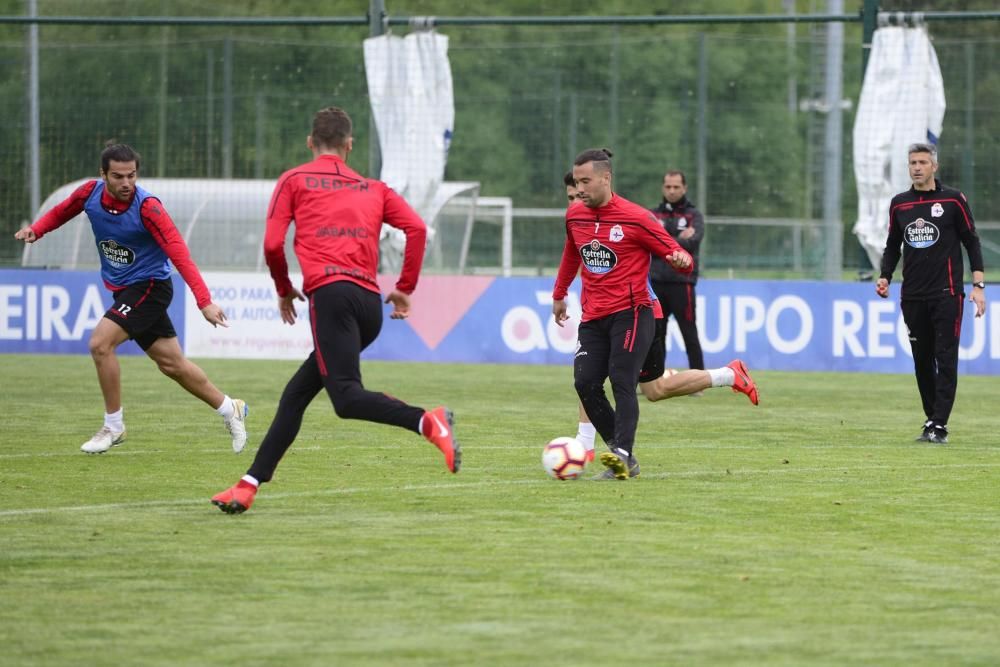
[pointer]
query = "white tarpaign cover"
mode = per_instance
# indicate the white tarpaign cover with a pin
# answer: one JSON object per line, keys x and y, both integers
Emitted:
{"x": 902, "y": 102}
{"x": 410, "y": 88}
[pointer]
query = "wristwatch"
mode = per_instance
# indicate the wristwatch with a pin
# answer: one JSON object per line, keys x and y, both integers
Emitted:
{"x": 980, "y": 285}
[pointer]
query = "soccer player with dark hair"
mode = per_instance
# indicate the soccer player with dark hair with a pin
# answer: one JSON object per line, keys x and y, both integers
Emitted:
{"x": 931, "y": 222}
{"x": 337, "y": 215}
{"x": 612, "y": 238}
{"x": 656, "y": 382}
{"x": 136, "y": 242}
{"x": 571, "y": 191}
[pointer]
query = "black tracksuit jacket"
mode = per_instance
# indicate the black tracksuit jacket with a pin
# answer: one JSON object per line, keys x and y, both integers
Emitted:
{"x": 931, "y": 227}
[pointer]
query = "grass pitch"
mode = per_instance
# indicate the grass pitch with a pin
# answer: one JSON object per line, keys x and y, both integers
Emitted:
{"x": 808, "y": 530}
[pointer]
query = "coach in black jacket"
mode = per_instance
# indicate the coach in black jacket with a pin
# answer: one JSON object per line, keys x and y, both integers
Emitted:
{"x": 929, "y": 221}
{"x": 675, "y": 290}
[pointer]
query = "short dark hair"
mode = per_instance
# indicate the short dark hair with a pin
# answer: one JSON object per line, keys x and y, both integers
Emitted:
{"x": 118, "y": 153}
{"x": 677, "y": 172}
{"x": 568, "y": 179}
{"x": 923, "y": 148}
{"x": 331, "y": 127}
{"x": 601, "y": 157}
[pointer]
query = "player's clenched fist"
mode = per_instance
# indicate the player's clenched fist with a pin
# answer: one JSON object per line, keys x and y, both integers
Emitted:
{"x": 679, "y": 259}
{"x": 25, "y": 235}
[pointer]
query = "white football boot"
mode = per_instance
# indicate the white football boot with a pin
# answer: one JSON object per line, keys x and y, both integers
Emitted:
{"x": 237, "y": 425}
{"x": 102, "y": 441}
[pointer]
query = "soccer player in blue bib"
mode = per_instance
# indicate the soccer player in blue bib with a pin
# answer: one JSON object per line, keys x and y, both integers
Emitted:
{"x": 136, "y": 242}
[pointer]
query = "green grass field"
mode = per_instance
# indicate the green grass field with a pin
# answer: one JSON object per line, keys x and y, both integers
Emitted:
{"x": 810, "y": 530}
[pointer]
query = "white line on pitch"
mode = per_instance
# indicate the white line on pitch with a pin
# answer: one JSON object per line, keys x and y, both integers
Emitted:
{"x": 723, "y": 472}
{"x": 134, "y": 452}
{"x": 508, "y": 447}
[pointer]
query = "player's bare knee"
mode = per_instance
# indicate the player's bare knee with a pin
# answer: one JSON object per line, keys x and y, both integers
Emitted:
{"x": 170, "y": 367}
{"x": 650, "y": 391}
{"x": 100, "y": 347}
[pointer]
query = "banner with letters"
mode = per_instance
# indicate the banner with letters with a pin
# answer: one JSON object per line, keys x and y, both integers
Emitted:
{"x": 778, "y": 325}
{"x": 54, "y": 312}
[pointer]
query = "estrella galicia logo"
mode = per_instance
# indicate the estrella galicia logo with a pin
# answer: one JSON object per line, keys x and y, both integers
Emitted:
{"x": 116, "y": 254}
{"x": 921, "y": 234}
{"x": 597, "y": 257}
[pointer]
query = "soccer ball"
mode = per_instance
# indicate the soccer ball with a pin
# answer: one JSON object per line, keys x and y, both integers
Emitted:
{"x": 564, "y": 458}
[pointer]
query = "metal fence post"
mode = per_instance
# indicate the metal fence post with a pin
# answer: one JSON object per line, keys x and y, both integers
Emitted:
{"x": 227, "y": 109}
{"x": 702, "y": 141}
{"x": 34, "y": 135}
{"x": 376, "y": 27}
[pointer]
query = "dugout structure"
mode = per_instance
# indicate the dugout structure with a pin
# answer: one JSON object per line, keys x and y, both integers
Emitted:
{"x": 222, "y": 221}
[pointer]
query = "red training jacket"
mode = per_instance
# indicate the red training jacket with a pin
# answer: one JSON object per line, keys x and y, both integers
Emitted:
{"x": 613, "y": 243}
{"x": 154, "y": 218}
{"x": 338, "y": 215}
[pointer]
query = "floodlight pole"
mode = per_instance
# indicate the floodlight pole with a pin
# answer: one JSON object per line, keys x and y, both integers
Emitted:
{"x": 834, "y": 147}
{"x": 376, "y": 27}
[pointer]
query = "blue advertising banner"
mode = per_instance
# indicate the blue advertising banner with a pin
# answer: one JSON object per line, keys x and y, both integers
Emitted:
{"x": 53, "y": 312}
{"x": 779, "y": 325}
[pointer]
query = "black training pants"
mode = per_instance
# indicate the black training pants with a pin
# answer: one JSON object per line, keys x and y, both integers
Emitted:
{"x": 613, "y": 347}
{"x": 935, "y": 326}
{"x": 679, "y": 300}
{"x": 345, "y": 319}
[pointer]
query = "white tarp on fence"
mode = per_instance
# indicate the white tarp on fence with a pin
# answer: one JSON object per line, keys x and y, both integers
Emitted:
{"x": 902, "y": 102}
{"x": 410, "y": 87}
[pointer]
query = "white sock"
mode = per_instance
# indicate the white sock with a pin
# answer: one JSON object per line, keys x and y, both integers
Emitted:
{"x": 226, "y": 409}
{"x": 115, "y": 420}
{"x": 722, "y": 377}
{"x": 585, "y": 433}
{"x": 250, "y": 479}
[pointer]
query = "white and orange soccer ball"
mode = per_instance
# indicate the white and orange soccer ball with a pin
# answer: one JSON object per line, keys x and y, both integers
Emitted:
{"x": 564, "y": 458}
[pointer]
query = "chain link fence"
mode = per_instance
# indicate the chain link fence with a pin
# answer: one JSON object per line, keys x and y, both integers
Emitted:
{"x": 732, "y": 106}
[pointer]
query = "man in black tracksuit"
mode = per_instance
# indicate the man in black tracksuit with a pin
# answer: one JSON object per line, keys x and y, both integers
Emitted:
{"x": 931, "y": 222}
{"x": 675, "y": 290}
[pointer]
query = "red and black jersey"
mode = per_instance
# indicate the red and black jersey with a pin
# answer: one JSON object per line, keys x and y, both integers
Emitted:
{"x": 931, "y": 226}
{"x": 613, "y": 244}
{"x": 130, "y": 253}
{"x": 338, "y": 215}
